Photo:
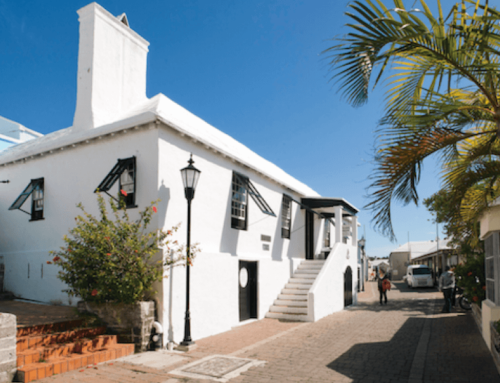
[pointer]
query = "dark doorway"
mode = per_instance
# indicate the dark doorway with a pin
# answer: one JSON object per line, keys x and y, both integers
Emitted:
{"x": 348, "y": 287}
{"x": 247, "y": 280}
{"x": 309, "y": 234}
{"x": 359, "y": 280}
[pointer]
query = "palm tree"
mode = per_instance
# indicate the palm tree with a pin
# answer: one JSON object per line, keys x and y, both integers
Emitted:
{"x": 443, "y": 96}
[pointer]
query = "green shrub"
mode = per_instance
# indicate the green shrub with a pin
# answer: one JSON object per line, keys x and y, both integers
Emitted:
{"x": 111, "y": 260}
{"x": 470, "y": 277}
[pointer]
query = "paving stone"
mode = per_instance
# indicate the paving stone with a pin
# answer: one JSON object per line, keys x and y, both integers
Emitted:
{"x": 367, "y": 343}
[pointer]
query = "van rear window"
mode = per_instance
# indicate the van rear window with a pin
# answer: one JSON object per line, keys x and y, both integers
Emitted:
{"x": 421, "y": 271}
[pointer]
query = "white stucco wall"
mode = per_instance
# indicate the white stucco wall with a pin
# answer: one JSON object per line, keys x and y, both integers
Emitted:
{"x": 326, "y": 295}
{"x": 216, "y": 308}
{"x": 70, "y": 176}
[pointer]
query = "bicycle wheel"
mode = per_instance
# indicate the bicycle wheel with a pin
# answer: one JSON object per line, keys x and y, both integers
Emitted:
{"x": 464, "y": 303}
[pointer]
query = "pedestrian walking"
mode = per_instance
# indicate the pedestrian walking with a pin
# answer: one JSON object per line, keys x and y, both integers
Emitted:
{"x": 447, "y": 286}
{"x": 383, "y": 285}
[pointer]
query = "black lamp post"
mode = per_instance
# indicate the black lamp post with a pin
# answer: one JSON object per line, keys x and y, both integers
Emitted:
{"x": 362, "y": 243}
{"x": 190, "y": 177}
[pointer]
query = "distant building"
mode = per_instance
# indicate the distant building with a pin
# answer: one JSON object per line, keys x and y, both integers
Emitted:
{"x": 13, "y": 133}
{"x": 430, "y": 253}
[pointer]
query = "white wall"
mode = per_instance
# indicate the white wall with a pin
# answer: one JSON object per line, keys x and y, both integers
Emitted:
{"x": 71, "y": 176}
{"x": 326, "y": 296}
{"x": 216, "y": 307}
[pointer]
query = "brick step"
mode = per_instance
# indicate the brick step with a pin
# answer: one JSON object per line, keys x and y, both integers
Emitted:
{"x": 35, "y": 371}
{"x": 34, "y": 341}
{"x": 50, "y": 327}
{"x": 54, "y": 351}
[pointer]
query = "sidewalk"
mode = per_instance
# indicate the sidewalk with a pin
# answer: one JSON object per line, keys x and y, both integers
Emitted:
{"x": 407, "y": 340}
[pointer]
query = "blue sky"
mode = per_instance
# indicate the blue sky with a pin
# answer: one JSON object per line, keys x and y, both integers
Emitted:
{"x": 252, "y": 69}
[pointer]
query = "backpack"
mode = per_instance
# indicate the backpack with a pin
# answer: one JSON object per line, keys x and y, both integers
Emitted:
{"x": 386, "y": 285}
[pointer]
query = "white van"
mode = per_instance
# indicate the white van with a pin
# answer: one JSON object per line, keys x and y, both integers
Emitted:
{"x": 419, "y": 276}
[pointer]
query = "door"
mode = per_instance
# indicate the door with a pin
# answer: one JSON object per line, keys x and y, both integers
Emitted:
{"x": 309, "y": 235}
{"x": 348, "y": 287}
{"x": 247, "y": 278}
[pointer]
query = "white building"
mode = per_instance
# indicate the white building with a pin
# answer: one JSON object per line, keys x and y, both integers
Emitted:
{"x": 431, "y": 253}
{"x": 254, "y": 222}
{"x": 13, "y": 133}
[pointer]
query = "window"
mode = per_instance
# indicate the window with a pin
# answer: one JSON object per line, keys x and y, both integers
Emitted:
{"x": 286, "y": 216}
{"x": 254, "y": 193}
{"x": 241, "y": 185}
{"x": 35, "y": 189}
{"x": 238, "y": 204}
{"x": 125, "y": 172}
{"x": 326, "y": 233}
{"x": 490, "y": 253}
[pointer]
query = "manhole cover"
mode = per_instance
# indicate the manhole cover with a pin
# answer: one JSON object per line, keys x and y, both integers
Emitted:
{"x": 217, "y": 367}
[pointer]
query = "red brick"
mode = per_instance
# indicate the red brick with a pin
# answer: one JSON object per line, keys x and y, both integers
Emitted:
{"x": 41, "y": 372}
{"x": 57, "y": 367}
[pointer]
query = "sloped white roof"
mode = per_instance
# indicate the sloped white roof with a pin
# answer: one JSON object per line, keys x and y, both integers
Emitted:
{"x": 418, "y": 249}
{"x": 13, "y": 131}
{"x": 160, "y": 108}
{"x": 377, "y": 262}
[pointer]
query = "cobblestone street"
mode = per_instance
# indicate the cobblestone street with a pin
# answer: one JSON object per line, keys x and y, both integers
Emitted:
{"x": 407, "y": 340}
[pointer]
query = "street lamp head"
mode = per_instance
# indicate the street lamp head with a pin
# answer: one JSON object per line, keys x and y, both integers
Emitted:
{"x": 362, "y": 242}
{"x": 190, "y": 176}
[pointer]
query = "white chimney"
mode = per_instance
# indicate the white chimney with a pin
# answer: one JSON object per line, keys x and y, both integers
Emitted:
{"x": 112, "y": 62}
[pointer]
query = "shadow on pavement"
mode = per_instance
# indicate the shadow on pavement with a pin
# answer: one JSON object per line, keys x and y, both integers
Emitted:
{"x": 414, "y": 307}
{"x": 403, "y": 288}
{"x": 455, "y": 353}
{"x": 382, "y": 361}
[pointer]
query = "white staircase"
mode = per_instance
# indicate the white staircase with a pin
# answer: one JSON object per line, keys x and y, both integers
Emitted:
{"x": 292, "y": 302}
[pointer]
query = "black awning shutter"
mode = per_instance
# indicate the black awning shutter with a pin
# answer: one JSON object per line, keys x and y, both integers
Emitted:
{"x": 115, "y": 173}
{"x": 256, "y": 196}
{"x": 25, "y": 194}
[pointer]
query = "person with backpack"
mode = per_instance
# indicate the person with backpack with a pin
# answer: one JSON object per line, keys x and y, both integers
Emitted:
{"x": 384, "y": 284}
{"x": 447, "y": 286}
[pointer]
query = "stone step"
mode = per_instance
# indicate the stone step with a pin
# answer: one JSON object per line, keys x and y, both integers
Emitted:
{"x": 290, "y": 303}
{"x": 313, "y": 272}
{"x": 290, "y": 317}
{"x": 298, "y": 286}
{"x": 301, "y": 281}
{"x": 288, "y": 310}
{"x": 313, "y": 262}
{"x": 292, "y": 297}
{"x": 311, "y": 277}
{"x": 296, "y": 292}
{"x": 307, "y": 265}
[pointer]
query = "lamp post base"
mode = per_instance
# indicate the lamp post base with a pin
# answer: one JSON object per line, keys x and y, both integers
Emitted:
{"x": 186, "y": 346}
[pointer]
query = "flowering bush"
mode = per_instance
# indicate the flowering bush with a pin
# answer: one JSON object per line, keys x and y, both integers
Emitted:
{"x": 470, "y": 277}
{"x": 107, "y": 259}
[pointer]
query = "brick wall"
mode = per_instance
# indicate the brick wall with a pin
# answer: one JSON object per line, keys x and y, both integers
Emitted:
{"x": 7, "y": 347}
